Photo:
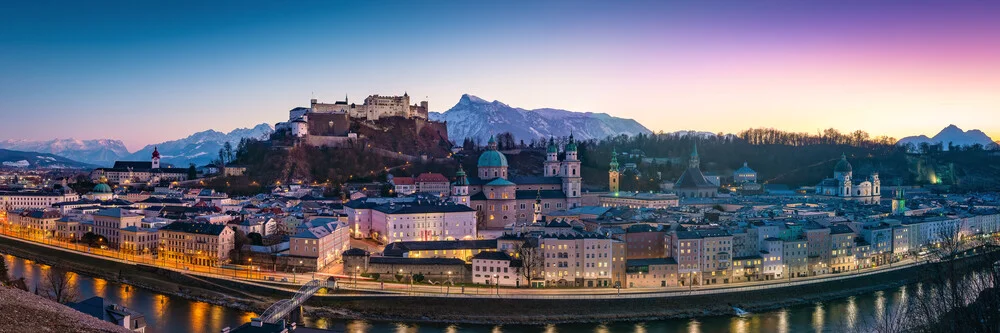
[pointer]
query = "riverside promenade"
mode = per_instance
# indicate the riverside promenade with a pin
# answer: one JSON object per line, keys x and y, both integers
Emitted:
{"x": 354, "y": 287}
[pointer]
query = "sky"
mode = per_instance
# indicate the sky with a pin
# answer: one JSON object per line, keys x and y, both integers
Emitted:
{"x": 149, "y": 71}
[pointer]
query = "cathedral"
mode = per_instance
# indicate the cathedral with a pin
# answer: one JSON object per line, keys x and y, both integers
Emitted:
{"x": 844, "y": 186}
{"x": 505, "y": 200}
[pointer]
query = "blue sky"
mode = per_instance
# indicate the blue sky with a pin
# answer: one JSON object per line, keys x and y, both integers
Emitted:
{"x": 145, "y": 71}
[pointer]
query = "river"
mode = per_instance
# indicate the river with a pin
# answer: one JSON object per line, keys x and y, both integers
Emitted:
{"x": 173, "y": 314}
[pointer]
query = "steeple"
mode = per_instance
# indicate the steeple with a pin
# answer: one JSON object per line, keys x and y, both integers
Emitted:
{"x": 695, "y": 162}
{"x": 614, "y": 159}
{"x": 537, "y": 218}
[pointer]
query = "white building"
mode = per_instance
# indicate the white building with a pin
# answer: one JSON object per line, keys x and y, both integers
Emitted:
{"x": 492, "y": 268}
{"x": 843, "y": 185}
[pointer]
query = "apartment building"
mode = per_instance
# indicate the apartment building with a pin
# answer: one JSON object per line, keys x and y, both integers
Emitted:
{"x": 195, "y": 243}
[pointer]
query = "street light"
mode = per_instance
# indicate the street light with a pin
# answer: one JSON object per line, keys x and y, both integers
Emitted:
{"x": 449, "y": 283}
{"x": 496, "y": 278}
{"x": 356, "y": 268}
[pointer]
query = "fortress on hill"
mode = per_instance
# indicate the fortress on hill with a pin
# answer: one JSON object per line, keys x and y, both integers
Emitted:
{"x": 330, "y": 124}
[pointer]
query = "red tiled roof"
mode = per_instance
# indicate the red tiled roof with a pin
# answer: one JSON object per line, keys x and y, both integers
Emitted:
{"x": 402, "y": 181}
{"x": 428, "y": 177}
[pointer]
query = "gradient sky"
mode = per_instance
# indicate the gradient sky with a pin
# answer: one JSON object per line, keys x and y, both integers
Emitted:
{"x": 146, "y": 72}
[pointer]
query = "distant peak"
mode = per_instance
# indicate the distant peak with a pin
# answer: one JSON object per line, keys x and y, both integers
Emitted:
{"x": 469, "y": 99}
{"x": 952, "y": 127}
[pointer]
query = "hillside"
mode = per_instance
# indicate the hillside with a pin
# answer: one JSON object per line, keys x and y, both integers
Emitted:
{"x": 791, "y": 160}
{"x": 25, "y": 159}
{"x": 21, "y": 311}
{"x": 474, "y": 117}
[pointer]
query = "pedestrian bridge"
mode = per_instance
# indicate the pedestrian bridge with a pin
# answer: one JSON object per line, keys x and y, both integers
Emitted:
{"x": 282, "y": 308}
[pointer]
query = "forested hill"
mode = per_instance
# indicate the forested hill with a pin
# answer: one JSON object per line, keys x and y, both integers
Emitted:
{"x": 795, "y": 159}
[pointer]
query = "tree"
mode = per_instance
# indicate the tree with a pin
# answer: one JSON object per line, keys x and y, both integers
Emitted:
{"x": 4, "y": 273}
{"x": 229, "y": 154}
{"x": 192, "y": 172}
{"x": 255, "y": 239}
{"x": 93, "y": 240}
{"x": 239, "y": 240}
{"x": 59, "y": 285}
{"x": 531, "y": 259}
{"x": 417, "y": 278}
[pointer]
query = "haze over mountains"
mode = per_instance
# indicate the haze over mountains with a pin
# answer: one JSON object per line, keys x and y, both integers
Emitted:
{"x": 953, "y": 135}
{"x": 474, "y": 117}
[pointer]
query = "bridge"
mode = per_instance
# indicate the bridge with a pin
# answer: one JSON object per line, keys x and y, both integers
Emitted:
{"x": 282, "y": 308}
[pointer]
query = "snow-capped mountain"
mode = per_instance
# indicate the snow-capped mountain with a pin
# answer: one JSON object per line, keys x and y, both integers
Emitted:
{"x": 32, "y": 160}
{"x": 474, "y": 117}
{"x": 98, "y": 152}
{"x": 199, "y": 148}
{"x": 951, "y": 134}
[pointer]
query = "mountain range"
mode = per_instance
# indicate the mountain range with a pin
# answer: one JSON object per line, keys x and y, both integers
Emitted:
{"x": 99, "y": 152}
{"x": 953, "y": 135}
{"x": 474, "y": 117}
{"x": 27, "y": 159}
{"x": 199, "y": 148}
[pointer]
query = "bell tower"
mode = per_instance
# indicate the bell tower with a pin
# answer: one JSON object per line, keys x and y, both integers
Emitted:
{"x": 156, "y": 159}
{"x": 613, "y": 173}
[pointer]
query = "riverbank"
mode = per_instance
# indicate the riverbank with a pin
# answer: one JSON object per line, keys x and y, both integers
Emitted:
{"x": 503, "y": 310}
{"x": 150, "y": 278}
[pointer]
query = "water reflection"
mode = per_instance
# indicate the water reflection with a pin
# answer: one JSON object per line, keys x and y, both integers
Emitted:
{"x": 163, "y": 313}
{"x": 169, "y": 314}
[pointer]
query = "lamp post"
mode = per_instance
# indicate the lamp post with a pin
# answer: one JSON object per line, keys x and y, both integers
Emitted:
{"x": 356, "y": 268}
{"x": 496, "y": 279}
{"x": 449, "y": 284}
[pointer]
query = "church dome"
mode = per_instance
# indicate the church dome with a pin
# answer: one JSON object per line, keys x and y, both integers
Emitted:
{"x": 843, "y": 165}
{"x": 102, "y": 188}
{"x": 492, "y": 158}
{"x": 552, "y": 146}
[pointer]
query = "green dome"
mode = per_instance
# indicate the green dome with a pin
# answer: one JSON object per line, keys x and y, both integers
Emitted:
{"x": 492, "y": 158}
{"x": 552, "y": 146}
{"x": 843, "y": 165}
{"x": 571, "y": 146}
{"x": 102, "y": 188}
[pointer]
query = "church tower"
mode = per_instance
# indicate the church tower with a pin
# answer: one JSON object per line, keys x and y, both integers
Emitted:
{"x": 551, "y": 164}
{"x": 538, "y": 208}
{"x": 156, "y": 159}
{"x": 613, "y": 172}
{"x": 571, "y": 178}
{"x": 899, "y": 202}
{"x": 694, "y": 162}
{"x": 460, "y": 188}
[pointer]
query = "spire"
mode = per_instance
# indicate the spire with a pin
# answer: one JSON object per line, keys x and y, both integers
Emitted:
{"x": 492, "y": 144}
{"x": 156, "y": 153}
{"x": 695, "y": 162}
{"x": 614, "y": 159}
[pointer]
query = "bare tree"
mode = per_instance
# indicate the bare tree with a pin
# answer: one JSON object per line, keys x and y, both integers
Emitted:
{"x": 59, "y": 285}
{"x": 531, "y": 260}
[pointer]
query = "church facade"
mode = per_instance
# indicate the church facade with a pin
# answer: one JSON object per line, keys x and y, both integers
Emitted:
{"x": 133, "y": 172}
{"x": 506, "y": 200}
{"x": 843, "y": 185}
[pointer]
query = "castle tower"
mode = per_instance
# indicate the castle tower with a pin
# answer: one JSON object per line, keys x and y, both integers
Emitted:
{"x": 613, "y": 172}
{"x": 460, "y": 188}
{"x": 537, "y": 206}
{"x": 571, "y": 178}
{"x": 551, "y": 164}
{"x": 156, "y": 159}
